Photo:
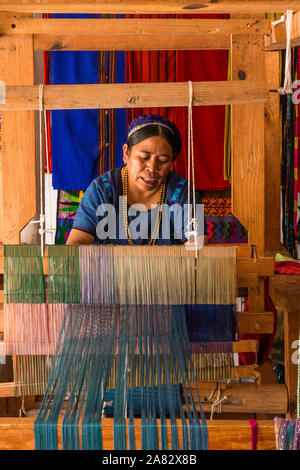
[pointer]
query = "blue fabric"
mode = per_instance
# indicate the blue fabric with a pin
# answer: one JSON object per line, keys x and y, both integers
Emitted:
{"x": 211, "y": 322}
{"x": 75, "y": 133}
{"x": 75, "y": 149}
{"x": 107, "y": 189}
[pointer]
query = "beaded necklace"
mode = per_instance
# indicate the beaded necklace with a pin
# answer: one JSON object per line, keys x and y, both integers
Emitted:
{"x": 125, "y": 214}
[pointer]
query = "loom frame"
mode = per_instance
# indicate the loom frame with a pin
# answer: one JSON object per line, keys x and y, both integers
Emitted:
{"x": 255, "y": 153}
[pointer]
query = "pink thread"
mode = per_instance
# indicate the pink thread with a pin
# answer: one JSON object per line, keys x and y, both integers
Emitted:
{"x": 253, "y": 424}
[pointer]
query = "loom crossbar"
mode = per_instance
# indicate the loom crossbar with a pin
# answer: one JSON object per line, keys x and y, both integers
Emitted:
{"x": 137, "y": 95}
{"x": 17, "y": 434}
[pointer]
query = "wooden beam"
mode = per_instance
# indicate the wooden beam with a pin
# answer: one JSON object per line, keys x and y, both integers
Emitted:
{"x": 10, "y": 389}
{"x": 18, "y": 434}
{"x": 17, "y": 156}
{"x": 248, "y": 164}
{"x": 135, "y": 95}
{"x": 258, "y": 267}
{"x": 247, "y": 398}
{"x": 135, "y": 27}
{"x": 148, "y": 6}
{"x": 131, "y": 34}
{"x": 247, "y": 281}
{"x": 130, "y": 42}
{"x": 241, "y": 398}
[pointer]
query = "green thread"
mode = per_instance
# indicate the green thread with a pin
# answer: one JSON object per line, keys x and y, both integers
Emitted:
{"x": 64, "y": 282}
{"x": 23, "y": 274}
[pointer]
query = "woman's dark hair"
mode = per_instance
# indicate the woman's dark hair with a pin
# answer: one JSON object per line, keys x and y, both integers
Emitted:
{"x": 151, "y": 125}
{"x": 152, "y": 131}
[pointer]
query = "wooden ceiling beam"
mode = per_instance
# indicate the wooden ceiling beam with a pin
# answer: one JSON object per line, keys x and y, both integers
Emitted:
{"x": 149, "y": 6}
{"x": 131, "y": 34}
{"x": 134, "y": 26}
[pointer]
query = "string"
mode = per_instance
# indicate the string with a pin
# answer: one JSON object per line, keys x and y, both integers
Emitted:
{"x": 145, "y": 341}
{"x": 41, "y": 219}
{"x": 81, "y": 274}
{"x": 287, "y": 86}
{"x": 49, "y": 229}
{"x": 42, "y": 122}
{"x": 192, "y": 229}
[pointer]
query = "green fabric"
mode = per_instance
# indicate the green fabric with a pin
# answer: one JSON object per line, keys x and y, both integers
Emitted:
{"x": 23, "y": 274}
{"x": 64, "y": 281}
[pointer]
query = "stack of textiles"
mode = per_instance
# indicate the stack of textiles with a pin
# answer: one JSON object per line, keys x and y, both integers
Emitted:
{"x": 287, "y": 433}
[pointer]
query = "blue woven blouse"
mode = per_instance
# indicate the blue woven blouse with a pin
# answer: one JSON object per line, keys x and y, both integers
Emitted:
{"x": 92, "y": 216}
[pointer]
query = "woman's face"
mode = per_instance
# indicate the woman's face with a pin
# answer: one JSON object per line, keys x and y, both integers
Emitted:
{"x": 149, "y": 163}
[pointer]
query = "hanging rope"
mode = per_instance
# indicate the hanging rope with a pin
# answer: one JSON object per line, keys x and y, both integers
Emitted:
{"x": 48, "y": 230}
{"x": 287, "y": 20}
{"x": 41, "y": 220}
{"x": 192, "y": 227}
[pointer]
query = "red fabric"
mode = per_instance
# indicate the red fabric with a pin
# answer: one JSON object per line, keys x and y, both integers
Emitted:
{"x": 287, "y": 267}
{"x": 208, "y": 121}
{"x": 265, "y": 340}
{"x": 253, "y": 424}
{"x": 150, "y": 67}
{"x": 48, "y": 115}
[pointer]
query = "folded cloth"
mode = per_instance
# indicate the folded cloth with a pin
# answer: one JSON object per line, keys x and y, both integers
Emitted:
{"x": 287, "y": 267}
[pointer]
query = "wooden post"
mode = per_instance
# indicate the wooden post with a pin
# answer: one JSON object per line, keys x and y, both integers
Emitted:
{"x": 17, "y": 158}
{"x": 272, "y": 155}
{"x": 285, "y": 293}
{"x": 248, "y": 152}
{"x": 248, "y": 166}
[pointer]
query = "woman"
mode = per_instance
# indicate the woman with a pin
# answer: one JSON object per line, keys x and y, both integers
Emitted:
{"x": 143, "y": 202}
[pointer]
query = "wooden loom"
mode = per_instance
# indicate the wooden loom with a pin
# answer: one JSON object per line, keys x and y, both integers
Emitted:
{"x": 255, "y": 151}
